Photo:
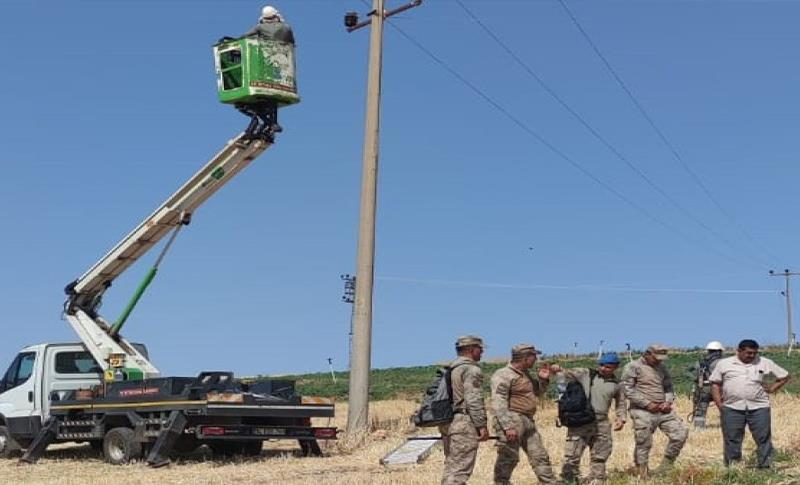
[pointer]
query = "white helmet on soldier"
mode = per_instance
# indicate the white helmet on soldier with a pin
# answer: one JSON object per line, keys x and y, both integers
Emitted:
{"x": 715, "y": 345}
{"x": 269, "y": 12}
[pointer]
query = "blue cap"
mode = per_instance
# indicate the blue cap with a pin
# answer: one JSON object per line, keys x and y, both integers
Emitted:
{"x": 609, "y": 358}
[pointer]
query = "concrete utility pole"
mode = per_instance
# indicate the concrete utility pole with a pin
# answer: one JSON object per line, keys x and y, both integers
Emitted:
{"x": 358, "y": 413}
{"x": 790, "y": 337}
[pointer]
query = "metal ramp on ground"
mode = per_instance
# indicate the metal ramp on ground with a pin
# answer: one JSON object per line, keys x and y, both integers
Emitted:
{"x": 415, "y": 450}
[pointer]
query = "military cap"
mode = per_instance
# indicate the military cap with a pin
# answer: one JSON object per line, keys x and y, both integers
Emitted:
{"x": 659, "y": 351}
{"x": 521, "y": 349}
{"x": 467, "y": 340}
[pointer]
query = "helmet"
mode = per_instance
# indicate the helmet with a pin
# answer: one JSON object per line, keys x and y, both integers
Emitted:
{"x": 715, "y": 345}
{"x": 609, "y": 358}
{"x": 269, "y": 12}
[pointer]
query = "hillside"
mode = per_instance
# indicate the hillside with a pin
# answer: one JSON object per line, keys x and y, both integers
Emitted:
{"x": 410, "y": 382}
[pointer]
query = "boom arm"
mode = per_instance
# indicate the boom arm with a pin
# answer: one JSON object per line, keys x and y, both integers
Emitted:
{"x": 85, "y": 294}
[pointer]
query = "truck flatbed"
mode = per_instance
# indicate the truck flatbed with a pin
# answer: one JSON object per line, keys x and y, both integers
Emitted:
{"x": 160, "y": 416}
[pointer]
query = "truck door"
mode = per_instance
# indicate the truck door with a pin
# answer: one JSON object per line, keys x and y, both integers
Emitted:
{"x": 17, "y": 394}
{"x": 68, "y": 368}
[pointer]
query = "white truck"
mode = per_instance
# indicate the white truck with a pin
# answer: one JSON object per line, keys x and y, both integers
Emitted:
{"x": 105, "y": 391}
{"x": 38, "y": 376}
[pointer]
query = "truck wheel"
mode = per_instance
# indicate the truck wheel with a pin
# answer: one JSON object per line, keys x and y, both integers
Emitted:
{"x": 120, "y": 446}
{"x": 224, "y": 449}
{"x": 8, "y": 447}
{"x": 310, "y": 448}
{"x": 252, "y": 448}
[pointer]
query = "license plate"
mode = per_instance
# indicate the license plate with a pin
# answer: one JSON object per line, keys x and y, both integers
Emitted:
{"x": 269, "y": 431}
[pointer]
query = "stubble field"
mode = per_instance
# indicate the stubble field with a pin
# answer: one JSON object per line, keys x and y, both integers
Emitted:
{"x": 347, "y": 463}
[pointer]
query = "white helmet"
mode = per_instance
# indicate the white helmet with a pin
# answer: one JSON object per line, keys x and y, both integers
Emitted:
{"x": 269, "y": 12}
{"x": 715, "y": 345}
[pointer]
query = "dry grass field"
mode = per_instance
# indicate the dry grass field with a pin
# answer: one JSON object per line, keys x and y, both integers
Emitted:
{"x": 347, "y": 463}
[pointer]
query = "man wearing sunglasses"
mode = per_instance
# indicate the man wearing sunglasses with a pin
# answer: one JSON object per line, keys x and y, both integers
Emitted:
{"x": 742, "y": 396}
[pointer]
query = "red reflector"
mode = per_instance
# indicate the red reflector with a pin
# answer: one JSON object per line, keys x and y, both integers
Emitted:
{"x": 325, "y": 433}
{"x": 213, "y": 430}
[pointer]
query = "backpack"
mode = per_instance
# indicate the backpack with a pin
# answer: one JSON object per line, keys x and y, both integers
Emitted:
{"x": 574, "y": 407}
{"x": 437, "y": 403}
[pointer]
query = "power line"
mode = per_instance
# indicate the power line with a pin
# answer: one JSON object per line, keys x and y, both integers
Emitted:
{"x": 670, "y": 146}
{"x": 553, "y": 94}
{"x": 475, "y": 89}
{"x": 590, "y": 288}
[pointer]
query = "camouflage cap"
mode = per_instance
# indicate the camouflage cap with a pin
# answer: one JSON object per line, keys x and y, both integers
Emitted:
{"x": 522, "y": 349}
{"x": 659, "y": 351}
{"x": 468, "y": 340}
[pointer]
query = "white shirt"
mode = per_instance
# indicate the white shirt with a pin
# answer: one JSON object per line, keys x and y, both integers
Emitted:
{"x": 742, "y": 387}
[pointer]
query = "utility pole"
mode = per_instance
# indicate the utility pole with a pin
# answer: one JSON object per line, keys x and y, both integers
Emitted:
{"x": 600, "y": 349}
{"x": 790, "y": 337}
{"x": 360, "y": 362}
{"x": 330, "y": 366}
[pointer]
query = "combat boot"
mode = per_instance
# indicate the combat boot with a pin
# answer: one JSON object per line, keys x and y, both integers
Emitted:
{"x": 642, "y": 471}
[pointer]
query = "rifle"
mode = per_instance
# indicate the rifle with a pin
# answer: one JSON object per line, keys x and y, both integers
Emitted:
{"x": 697, "y": 391}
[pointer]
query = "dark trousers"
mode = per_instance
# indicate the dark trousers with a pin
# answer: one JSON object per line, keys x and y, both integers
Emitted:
{"x": 759, "y": 423}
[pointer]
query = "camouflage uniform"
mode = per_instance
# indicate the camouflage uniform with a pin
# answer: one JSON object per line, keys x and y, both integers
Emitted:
{"x": 460, "y": 437}
{"x": 514, "y": 399}
{"x": 597, "y": 435}
{"x": 644, "y": 384}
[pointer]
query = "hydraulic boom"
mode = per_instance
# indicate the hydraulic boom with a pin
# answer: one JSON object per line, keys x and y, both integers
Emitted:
{"x": 84, "y": 295}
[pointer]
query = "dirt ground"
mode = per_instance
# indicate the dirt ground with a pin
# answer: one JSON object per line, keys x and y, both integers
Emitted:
{"x": 345, "y": 463}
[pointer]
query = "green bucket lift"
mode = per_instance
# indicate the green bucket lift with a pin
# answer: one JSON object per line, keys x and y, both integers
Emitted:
{"x": 257, "y": 75}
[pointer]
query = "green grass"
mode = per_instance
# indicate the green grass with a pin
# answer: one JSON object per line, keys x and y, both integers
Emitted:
{"x": 410, "y": 382}
{"x": 704, "y": 475}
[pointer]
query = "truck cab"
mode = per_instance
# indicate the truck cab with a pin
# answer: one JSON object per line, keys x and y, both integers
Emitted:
{"x": 38, "y": 376}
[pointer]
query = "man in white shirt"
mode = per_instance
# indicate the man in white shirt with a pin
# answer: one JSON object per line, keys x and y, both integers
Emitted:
{"x": 742, "y": 397}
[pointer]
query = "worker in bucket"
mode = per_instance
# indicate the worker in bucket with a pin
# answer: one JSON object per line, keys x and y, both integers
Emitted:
{"x": 272, "y": 26}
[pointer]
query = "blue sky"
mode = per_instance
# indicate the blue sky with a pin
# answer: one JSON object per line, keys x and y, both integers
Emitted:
{"x": 107, "y": 107}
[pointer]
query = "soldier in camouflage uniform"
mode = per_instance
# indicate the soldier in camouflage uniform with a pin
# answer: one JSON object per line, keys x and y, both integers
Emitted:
{"x": 514, "y": 399}
{"x": 699, "y": 372}
{"x": 603, "y": 389}
{"x": 461, "y": 436}
{"x": 648, "y": 387}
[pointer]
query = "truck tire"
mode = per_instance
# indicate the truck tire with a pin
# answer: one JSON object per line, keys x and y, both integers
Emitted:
{"x": 310, "y": 448}
{"x": 9, "y": 448}
{"x": 252, "y": 448}
{"x": 120, "y": 446}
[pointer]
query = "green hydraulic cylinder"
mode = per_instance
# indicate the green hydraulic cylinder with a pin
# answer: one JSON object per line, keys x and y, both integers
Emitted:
{"x": 148, "y": 278}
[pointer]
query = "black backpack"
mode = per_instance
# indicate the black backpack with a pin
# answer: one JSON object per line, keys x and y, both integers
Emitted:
{"x": 574, "y": 407}
{"x": 437, "y": 403}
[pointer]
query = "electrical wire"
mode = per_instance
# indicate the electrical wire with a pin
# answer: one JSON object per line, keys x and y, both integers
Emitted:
{"x": 670, "y": 146}
{"x": 516, "y": 286}
{"x": 553, "y": 94}
{"x": 527, "y": 129}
